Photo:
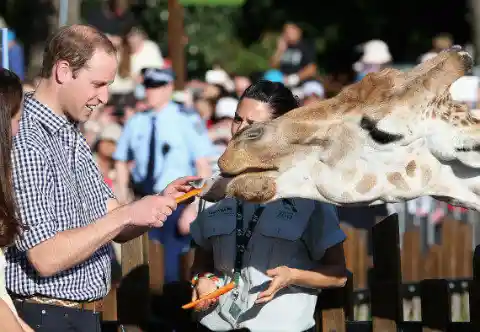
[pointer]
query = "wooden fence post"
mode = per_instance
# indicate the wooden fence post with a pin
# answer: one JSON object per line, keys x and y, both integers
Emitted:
{"x": 432, "y": 267}
{"x": 386, "y": 276}
{"x": 450, "y": 230}
{"x": 133, "y": 294}
{"x": 411, "y": 255}
{"x": 334, "y": 306}
{"x": 436, "y": 307}
{"x": 466, "y": 256}
{"x": 475, "y": 292}
{"x": 411, "y": 271}
{"x": 156, "y": 263}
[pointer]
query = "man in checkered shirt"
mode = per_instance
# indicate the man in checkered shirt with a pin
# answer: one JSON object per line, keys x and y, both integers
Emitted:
{"x": 59, "y": 269}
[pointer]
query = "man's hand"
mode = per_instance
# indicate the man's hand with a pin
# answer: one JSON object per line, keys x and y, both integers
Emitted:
{"x": 180, "y": 186}
{"x": 282, "y": 277}
{"x": 151, "y": 211}
{"x": 204, "y": 287}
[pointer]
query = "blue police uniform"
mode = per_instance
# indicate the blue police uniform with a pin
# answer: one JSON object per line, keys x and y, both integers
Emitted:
{"x": 177, "y": 145}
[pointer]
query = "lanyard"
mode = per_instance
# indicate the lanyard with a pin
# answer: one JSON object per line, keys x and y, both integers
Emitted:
{"x": 243, "y": 236}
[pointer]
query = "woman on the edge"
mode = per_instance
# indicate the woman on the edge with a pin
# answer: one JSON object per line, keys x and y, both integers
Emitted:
{"x": 11, "y": 94}
{"x": 291, "y": 249}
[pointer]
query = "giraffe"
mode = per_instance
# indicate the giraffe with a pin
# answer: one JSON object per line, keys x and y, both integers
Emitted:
{"x": 391, "y": 137}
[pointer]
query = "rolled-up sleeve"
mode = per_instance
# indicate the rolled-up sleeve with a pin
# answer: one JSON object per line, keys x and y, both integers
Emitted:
{"x": 34, "y": 190}
{"x": 323, "y": 230}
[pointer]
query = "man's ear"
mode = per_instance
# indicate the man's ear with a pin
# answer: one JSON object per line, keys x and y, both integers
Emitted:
{"x": 63, "y": 72}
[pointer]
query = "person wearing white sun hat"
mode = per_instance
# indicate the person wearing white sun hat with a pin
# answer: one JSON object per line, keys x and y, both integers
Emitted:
{"x": 376, "y": 55}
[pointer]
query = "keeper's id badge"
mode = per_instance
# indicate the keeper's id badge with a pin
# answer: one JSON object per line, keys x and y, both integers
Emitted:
{"x": 234, "y": 310}
{"x": 234, "y": 307}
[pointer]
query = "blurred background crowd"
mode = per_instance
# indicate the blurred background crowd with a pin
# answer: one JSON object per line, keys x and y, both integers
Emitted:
{"x": 313, "y": 49}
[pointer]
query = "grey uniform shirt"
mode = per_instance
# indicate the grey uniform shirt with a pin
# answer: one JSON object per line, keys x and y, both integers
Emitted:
{"x": 294, "y": 234}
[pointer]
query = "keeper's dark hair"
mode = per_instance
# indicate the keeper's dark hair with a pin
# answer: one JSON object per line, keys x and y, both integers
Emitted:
{"x": 280, "y": 98}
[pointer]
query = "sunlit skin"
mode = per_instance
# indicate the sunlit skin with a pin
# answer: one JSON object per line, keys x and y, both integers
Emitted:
{"x": 16, "y": 122}
{"x": 241, "y": 84}
{"x": 81, "y": 92}
{"x": 250, "y": 111}
{"x": 158, "y": 97}
{"x": 292, "y": 33}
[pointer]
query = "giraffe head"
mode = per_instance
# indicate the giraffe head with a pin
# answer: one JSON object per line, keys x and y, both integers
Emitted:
{"x": 386, "y": 115}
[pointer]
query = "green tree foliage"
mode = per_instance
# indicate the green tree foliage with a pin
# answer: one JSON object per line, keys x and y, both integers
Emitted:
{"x": 212, "y": 38}
{"x": 242, "y": 39}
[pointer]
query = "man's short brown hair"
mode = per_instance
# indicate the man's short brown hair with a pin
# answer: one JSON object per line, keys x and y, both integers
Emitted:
{"x": 75, "y": 44}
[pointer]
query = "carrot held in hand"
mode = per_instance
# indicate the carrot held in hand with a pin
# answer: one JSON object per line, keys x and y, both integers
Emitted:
{"x": 191, "y": 193}
{"x": 219, "y": 292}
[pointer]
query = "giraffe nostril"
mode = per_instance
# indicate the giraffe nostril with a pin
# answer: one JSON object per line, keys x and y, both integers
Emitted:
{"x": 253, "y": 133}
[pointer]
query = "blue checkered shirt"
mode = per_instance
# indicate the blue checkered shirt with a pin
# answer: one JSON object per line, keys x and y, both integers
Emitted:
{"x": 58, "y": 187}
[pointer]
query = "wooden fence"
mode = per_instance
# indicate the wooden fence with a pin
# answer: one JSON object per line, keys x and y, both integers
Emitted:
{"x": 394, "y": 290}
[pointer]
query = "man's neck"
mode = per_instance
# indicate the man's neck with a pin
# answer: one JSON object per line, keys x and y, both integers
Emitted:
{"x": 159, "y": 107}
{"x": 46, "y": 94}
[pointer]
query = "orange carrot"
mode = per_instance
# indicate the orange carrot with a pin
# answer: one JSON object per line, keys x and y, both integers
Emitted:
{"x": 188, "y": 195}
{"x": 213, "y": 295}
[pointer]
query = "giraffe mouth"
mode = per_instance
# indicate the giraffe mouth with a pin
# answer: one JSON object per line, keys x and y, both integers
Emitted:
{"x": 248, "y": 170}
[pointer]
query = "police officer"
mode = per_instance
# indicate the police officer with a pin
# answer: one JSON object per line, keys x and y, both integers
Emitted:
{"x": 164, "y": 144}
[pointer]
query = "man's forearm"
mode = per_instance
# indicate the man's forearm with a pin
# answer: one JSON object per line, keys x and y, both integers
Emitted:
{"x": 71, "y": 247}
{"x": 308, "y": 71}
{"x": 128, "y": 232}
{"x": 321, "y": 277}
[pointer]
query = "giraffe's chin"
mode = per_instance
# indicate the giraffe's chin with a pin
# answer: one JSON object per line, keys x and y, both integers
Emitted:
{"x": 257, "y": 187}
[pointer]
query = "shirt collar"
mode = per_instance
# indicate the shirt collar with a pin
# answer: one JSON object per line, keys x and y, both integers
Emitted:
{"x": 171, "y": 106}
{"x": 45, "y": 115}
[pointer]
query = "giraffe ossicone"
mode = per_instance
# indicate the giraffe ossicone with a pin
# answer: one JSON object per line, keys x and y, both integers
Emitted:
{"x": 391, "y": 137}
